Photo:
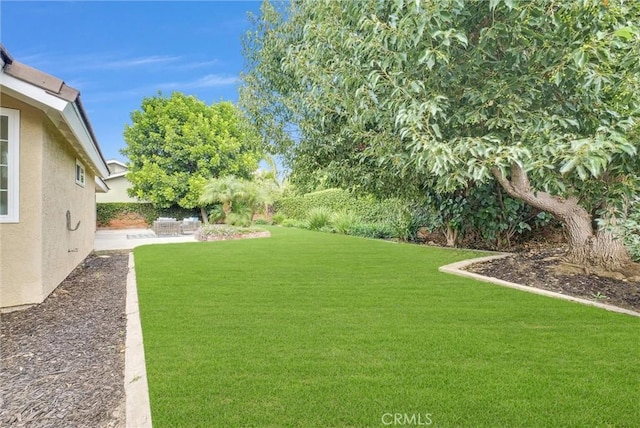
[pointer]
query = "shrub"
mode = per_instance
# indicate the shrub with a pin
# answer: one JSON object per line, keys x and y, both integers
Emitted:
{"x": 290, "y": 222}
{"x": 367, "y": 208}
{"x": 318, "y": 218}
{"x": 278, "y": 218}
{"x": 482, "y": 212}
{"x": 371, "y": 230}
{"x": 341, "y": 221}
{"x": 327, "y": 229}
{"x": 629, "y": 231}
{"x": 497, "y": 218}
{"x": 261, "y": 221}
{"x": 216, "y": 214}
{"x": 242, "y": 219}
{"x": 632, "y": 242}
{"x": 107, "y": 211}
{"x": 405, "y": 221}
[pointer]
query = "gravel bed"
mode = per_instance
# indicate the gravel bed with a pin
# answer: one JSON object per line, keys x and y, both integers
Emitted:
{"x": 62, "y": 362}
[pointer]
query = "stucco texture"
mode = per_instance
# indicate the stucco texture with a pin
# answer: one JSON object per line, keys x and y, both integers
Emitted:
{"x": 117, "y": 191}
{"x": 38, "y": 252}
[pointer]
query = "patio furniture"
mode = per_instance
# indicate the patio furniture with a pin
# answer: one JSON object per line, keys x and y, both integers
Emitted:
{"x": 190, "y": 225}
{"x": 166, "y": 227}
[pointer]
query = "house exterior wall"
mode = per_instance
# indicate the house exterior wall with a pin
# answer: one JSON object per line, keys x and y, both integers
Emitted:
{"x": 116, "y": 168}
{"x": 21, "y": 243}
{"x": 117, "y": 191}
{"x": 64, "y": 249}
{"x": 38, "y": 252}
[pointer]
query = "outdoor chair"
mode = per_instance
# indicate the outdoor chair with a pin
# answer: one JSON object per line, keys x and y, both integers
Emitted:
{"x": 166, "y": 227}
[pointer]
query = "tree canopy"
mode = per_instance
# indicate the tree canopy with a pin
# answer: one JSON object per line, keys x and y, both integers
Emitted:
{"x": 541, "y": 96}
{"x": 176, "y": 144}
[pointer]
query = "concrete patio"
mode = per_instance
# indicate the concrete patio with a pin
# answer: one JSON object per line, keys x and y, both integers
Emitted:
{"x": 126, "y": 239}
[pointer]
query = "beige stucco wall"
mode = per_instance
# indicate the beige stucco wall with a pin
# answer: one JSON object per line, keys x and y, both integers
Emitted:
{"x": 117, "y": 191}
{"x": 116, "y": 168}
{"x": 21, "y": 243}
{"x": 63, "y": 249}
{"x": 34, "y": 253}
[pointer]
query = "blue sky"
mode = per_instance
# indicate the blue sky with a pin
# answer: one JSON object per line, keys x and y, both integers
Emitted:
{"x": 118, "y": 52}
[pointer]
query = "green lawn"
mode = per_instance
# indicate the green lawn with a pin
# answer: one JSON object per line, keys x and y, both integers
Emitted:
{"x": 308, "y": 329}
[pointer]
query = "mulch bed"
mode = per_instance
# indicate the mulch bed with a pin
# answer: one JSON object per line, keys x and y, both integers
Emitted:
{"x": 63, "y": 360}
{"x": 543, "y": 268}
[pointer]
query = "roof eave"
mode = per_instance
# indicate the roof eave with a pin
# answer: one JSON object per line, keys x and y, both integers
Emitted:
{"x": 101, "y": 186}
{"x": 71, "y": 112}
{"x": 117, "y": 175}
{"x": 117, "y": 162}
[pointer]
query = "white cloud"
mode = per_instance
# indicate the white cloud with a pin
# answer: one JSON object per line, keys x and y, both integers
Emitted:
{"x": 208, "y": 81}
{"x": 132, "y": 62}
{"x": 186, "y": 66}
{"x": 64, "y": 64}
{"x": 211, "y": 80}
{"x": 57, "y": 63}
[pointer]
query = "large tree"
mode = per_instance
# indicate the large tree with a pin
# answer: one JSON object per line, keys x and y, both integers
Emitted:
{"x": 541, "y": 96}
{"x": 176, "y": 144}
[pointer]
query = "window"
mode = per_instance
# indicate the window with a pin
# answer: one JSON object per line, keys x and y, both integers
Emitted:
{"x": 9, "y": 165}
{"x": 79, "y": 173}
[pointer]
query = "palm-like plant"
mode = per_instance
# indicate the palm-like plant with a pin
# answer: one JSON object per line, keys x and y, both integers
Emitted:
{"x": 221, "y": 190}
{"x": 269, "y": 185}
{"x": 237, "y": 196}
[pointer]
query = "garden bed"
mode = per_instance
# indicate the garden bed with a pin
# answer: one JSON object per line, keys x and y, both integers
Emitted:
{"x": 63, "y": 360}
{"x": 225, "y": 233}
{"x": 544, "y": 268}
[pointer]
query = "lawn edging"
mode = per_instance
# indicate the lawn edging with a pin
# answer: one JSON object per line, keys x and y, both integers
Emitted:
{"x": 458, "y": 269}
{"x": 138, "y": 409}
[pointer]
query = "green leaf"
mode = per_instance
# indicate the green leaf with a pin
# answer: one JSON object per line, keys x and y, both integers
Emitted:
{"x": 557, "y": 78}
{"x": 567, "y": 166}
{"x": 462, "y": 38}
{"x": 436, "y": 130}
{"x": 625, "y": 33}
{"x": 579, "y": 58}
{"x": 628, "y": 149}
{"x": 572, "y": 122}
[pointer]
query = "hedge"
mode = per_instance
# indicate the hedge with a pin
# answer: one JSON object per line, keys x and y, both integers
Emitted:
{"x": 109, "y": 210}
{"x": 368, "y": 209}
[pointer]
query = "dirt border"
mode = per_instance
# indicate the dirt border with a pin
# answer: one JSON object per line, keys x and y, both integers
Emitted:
{"x": 458, "y": 269}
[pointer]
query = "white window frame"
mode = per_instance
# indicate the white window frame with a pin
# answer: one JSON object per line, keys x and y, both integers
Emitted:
{"x": 13, "y": 158}
{"x": 81, "y": 173}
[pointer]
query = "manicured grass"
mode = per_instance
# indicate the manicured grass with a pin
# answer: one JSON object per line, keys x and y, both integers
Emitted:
{"x": 308, "y": 329}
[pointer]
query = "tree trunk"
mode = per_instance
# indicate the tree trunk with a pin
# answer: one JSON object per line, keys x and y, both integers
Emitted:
{"x": 586, "y": 248}
{"x": 205, "y": 217}
{"x": 226, "y": 208}
{"x": 451, "y": 235}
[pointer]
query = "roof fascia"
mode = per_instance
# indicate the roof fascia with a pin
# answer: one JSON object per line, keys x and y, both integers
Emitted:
{"x": 101, "y": 186}
{"x": 69, "y": 111}
{"x": 78, "y": 126}
{"x": 117, "y": 163}
{"x": 32, "y": 94}
{"x": 116, "y": 175}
